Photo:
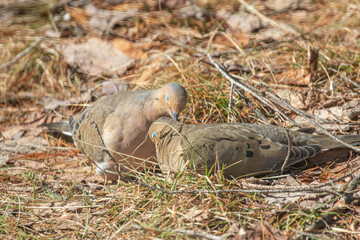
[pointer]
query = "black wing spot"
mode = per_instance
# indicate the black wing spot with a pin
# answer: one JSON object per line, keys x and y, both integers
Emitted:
{"x": 248, "y": 145}
{"x": 259, "y": 141}
{"x": 265, "y": 147}
{"x": 82, "y": 117}
{"x": 77, "y": 126}
{"x": 237, "y": 148}
{"x": 249, "y": 153}
{"x": 251, "y": 138}
{"x": 79, "y": 137}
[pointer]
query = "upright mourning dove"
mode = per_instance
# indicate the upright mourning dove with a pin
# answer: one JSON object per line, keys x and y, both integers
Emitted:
{"x": 123, "y": 120}
{"x": 238, "y": 149}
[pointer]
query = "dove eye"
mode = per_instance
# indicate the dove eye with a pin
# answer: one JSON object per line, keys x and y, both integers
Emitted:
{"x": 154, "y": 134}
{"x": 167, "y": 98}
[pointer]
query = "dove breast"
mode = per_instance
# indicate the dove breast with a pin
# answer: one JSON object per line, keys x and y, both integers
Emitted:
{"x": 123, "y": 121}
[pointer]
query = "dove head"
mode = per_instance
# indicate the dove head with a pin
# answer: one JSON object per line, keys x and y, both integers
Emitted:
{"x": 173, "y": 99}
{"x": 161, "y": 128}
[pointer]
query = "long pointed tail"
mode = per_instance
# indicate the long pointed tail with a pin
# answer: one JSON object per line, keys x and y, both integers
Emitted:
{"x": 327, "y": 143}
{"x": 62, "y": 127}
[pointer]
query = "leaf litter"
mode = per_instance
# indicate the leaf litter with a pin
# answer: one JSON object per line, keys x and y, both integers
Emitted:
{"x": 49, "y": 189}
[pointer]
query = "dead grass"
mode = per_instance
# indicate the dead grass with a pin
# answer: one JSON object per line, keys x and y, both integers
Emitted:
{"x": 48, "y": 189}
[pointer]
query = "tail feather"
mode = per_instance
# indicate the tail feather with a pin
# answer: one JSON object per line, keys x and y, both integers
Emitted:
{"x": 328, "y": 143}
{"x": 62, "y": 127}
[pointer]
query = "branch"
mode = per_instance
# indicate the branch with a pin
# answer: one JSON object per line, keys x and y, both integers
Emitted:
{"x": 283, "y": 27}
{"x": 22, "y": 53}
{"x": 247, "y": 87}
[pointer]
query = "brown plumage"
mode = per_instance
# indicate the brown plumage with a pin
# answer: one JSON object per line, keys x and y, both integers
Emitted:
{"x": 123, "y": 120}
{"x": 238, "y": 149}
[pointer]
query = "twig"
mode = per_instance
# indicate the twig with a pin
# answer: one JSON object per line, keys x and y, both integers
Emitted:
{"x": 288, "y": 153}
{"x": 230, "y": 101}
{"x": 247, "y": 100}
{"x": 343, "y": 77}
{"x": 311, "y": 235}
{"x": 250, "y": 105}
{"x": 348, "y": 193}
{"x": 286, "y": 104}
{"x": 21, "y": 54}
{"x": 185, "y": 232}
{"x": 247, "y": 88}
{"x": 299, "y": 112}
{"x": 284, "y": 28}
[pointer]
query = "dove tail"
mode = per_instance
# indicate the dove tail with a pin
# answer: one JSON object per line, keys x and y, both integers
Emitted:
{"x": 328, "y": 143}
{"x": 62, "y": 127}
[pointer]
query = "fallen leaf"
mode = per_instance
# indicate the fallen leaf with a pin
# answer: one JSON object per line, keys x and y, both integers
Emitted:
{"x": 243, "y": 22}
{"x": 271, "y": 34}
{"x": 352, "y": 109}
{"x": 197, "y": 215}
{"x": 96, "y": 57}
{"x": 104, "y": 19}
{"x": 79, "y": 15}
{"x": 150, "y": 70}
{"x": 295, "y": 98}
{"x": 128, "y": 48}
{"x": 192, "y": 11}
{"x": 113, "y": 86}
{"x": 259, "y": 231}
{"x": 312, "y": 202}
{"x": 241, "y": 39}
{"x": 281, "y": 5}
{"x": 296, "y": 77}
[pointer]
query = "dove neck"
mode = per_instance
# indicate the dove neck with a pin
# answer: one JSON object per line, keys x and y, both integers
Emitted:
{"x": 154, "y": 108}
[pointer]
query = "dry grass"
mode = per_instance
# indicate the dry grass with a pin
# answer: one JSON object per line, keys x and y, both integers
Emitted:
{"x": 48, "y": 190}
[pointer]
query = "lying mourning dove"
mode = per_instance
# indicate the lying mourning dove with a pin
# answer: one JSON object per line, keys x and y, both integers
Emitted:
{"x": 123, "y": 120}
{"x": 238, "y": 149}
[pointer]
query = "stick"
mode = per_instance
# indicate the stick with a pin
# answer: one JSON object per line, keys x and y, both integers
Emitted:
{"x": 284, "y": 28}
{"x": 299, "y": 112}
{"x": 230, "y": 102}
{"x": 21, "y": 54}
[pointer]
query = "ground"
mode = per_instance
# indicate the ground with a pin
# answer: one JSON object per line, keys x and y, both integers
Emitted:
{"x": 58, "y": 56}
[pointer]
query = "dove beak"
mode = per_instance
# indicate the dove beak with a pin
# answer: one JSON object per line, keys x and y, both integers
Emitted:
{"x": 174, "y": 115}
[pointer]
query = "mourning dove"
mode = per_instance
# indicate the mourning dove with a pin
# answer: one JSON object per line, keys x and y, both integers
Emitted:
{"x": 238, "y": 149}
{"x": 123, "y": 120}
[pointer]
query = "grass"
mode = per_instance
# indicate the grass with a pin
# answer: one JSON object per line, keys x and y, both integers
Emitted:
{"x": 57, "y": 196}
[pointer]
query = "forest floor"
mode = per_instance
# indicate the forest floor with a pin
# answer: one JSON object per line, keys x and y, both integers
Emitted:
{"x": 58, "y": 56}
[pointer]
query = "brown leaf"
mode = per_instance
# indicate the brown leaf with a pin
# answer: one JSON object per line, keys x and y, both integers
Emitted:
{"x": 281, "y": 5}
{"x": 80, "y": 16}
{"x": 113, "y": 86}
{"x": 197, "y": 215}
{"x": 151, "y": 70}
{"x": 96, "y": 57}
{"x": 104, "y": 19}
{"x": 242, "y": 21}
{"x": 271, "y": 34}
{"x": 296, "y": 99}
{"x": 259, "y": 231}
{"x": 296, "y": 76}
{"x": 240, "y": 39}
{"x": 127, "y": 48}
